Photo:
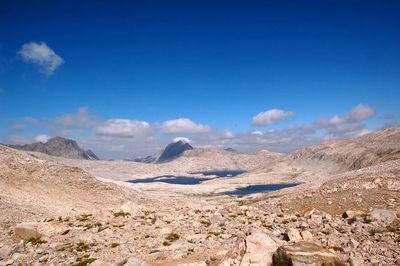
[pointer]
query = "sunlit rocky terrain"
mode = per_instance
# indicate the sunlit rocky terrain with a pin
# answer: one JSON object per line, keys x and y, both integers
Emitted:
{"x": 342, "y": 207}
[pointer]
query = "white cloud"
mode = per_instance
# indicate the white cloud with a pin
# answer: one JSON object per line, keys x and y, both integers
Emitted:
{"x": 124, "y": 128}
{"x": 270, "y": 117}
{"x": 183, "y": 126}
{"x": 182, "y": 139}
{"x": 42, "y": 138}
{"x": 41, "y": 55}
{"x": 257, "y": 133}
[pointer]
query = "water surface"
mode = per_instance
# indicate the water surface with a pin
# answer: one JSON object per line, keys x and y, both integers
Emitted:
{"x": 221, "y": 173}
{"x": 178, "y": 180}
{"x": 188, "y": 180}
{"x": 258, "y": 189}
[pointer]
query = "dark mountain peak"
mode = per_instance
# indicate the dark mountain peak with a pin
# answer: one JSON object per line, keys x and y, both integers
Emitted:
{"x": 59, "y": 146}
{"x": 174, "y": 150}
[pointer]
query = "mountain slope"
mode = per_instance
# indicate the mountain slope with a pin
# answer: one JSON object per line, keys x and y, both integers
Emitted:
{"x": 353, "y": 154}
{"x": 32, "y": 188}
{"x": 59, "y": 146}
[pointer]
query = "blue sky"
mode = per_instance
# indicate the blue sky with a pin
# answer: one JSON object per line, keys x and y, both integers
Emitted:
{"x": 111, "y": 73}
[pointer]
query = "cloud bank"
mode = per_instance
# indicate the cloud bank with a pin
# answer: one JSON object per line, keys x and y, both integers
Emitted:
{"x": 128, "y": 138}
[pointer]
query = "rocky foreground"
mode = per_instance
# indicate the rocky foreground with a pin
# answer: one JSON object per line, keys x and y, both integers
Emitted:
{"x": 239, "y": 234}
{"x": 55, "y": 214}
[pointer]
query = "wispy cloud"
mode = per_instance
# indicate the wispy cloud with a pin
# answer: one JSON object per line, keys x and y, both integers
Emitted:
{"x": 183, "y": 126}
{"x": 270, "y": 117}
{"x": 41, "y": 55}
{"x": 81, "y": 118}
{"x": 347, "y": 125}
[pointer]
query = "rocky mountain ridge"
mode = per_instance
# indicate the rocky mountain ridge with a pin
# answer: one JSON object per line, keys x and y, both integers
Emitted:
{"x": 59, "y": 146}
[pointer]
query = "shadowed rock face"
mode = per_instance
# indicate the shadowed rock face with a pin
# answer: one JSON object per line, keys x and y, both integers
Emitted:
{"x": 59, "y": 146}
{"x": 173, "y": 151}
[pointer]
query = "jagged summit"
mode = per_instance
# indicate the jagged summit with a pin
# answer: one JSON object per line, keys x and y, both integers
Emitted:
{"x": 59, "y": 146}
{"x": 174, "y": 150}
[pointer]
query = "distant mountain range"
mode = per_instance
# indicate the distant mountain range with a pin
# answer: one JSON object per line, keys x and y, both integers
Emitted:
{"x": 59, "y": 146}
{"x": 171, "y": 152}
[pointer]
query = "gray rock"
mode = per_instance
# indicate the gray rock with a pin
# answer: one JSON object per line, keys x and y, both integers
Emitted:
{"x": 383, "y": 215}
{"x": 350, "y": 214}
{"x": 198, "y": 263}
{"x": 304, "y": 253}
{"x": 4, "y": 252}
{"x": 306, "y": 235}
{"x": 19, "y": 248}
{"x": 135, "y": 262}
{"x": 259, "y": 249}
{"x": 293, "y": 235}
{"x": 356, "y": 261}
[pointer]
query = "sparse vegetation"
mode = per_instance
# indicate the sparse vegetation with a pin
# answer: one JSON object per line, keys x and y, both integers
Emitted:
{"x": 81, "y": 246}
{"x": 172, "y": 237}
{"x": 114, "y": 245}
{"x": 65, "y": 247}
{"x": 379, "y": 230}
{"x": 121, "y": 214}
{"x": 36, "y": 241}
{"x": 83, "y": 261}
{"x": 206, "y": 223}
{"x": 65, "y": 232}
{"x": 84, "y": 217}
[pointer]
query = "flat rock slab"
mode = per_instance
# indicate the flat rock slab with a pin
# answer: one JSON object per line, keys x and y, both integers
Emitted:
{"x": 304, "y": 253}
{"x": 383, "y": 215}
{"x": 259, "y": 249}
{"x": 26, "y": 231}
